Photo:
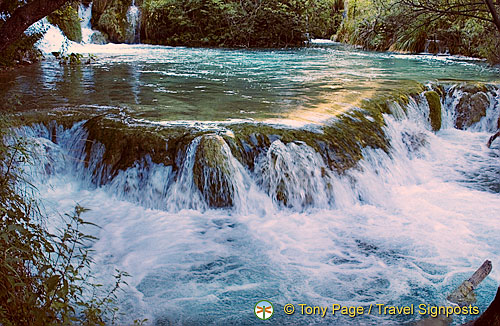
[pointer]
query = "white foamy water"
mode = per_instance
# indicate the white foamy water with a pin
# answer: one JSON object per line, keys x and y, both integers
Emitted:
{"x": 85, "y": 14}
{"x": 53, "y": 39}
{"x": 404, "y": 227}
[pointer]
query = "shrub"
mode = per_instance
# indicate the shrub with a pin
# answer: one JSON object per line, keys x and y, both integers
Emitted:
{"x": 45, "y": 279}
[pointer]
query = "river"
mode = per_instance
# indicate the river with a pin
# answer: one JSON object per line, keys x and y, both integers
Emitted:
{"x": 230, "y": 216}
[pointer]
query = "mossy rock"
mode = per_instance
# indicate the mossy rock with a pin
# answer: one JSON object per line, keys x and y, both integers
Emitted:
{"x": 110, "y": 17}
{"x": 440, "y": 89}
{"x": 434, "y": 102}
{"x": 64, "y": 117}
{"x": 66, "y": 18}
{"x": 472, "y": 105}
{"x": 126, "y": 144}
{"x": 212, "y": 171}
{"x": 340, "y": 143}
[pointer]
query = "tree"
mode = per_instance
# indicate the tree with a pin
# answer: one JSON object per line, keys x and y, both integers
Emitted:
{"x": 483, "y": 10}
{"x": 19, "y": 15}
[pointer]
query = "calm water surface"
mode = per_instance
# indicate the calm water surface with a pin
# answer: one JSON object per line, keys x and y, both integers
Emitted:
{"x": 165, "y": 83}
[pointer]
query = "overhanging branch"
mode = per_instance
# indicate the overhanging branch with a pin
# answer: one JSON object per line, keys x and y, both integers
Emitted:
{"x": 23, "y": 17}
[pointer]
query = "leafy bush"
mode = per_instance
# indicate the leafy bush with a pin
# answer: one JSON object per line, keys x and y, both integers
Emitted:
{"x": 223, "y": 23}
{"x": 22, "y": 51}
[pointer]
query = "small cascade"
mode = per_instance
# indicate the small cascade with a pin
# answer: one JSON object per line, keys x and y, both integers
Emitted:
{"x": 133, "y": 19}
{"x": 89, "y": 36}
{"x": 295, "y": 175}
{"x": 175, "y": 169}
{"x": 436, "y": 47}
{"x": 53, "y": 40}
{"x": 472, "y": 107}
{"x": 85, "y": 14}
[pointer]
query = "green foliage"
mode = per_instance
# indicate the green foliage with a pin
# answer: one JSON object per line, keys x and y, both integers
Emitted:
{"x": 397, "y": 25}
{"x": 231, "y": 23}
{"x": 110, "y": 17}
{"x": 323, "y": 17}
{"x": 66, "y": 18}
{"x": 45, "y": 278}
{"x": 224, "y": 23}
{"x": 22, "y": 51}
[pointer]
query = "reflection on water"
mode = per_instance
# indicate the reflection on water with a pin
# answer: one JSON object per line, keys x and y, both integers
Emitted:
{"x": 167, "y": 83}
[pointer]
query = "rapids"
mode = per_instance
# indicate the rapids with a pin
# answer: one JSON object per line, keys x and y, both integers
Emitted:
{"x": 223, "y": 177}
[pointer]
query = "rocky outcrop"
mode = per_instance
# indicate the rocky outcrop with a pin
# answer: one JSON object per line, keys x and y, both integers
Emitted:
{"x": 434, "y": 102}
{"x": 66, "y": 18}
{"x": 472, "y": 105}
{"x": 213, "y": 172}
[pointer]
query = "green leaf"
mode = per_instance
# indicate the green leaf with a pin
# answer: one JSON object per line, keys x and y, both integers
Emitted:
{"x": 52, "y": 282}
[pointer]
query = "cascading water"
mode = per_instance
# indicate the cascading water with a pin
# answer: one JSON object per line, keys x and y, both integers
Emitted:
{"x": 133, "y": 19}
{"x": 89, "y": 36}
{"x": 85, "y": 14}
{"x": 208, "y": 231}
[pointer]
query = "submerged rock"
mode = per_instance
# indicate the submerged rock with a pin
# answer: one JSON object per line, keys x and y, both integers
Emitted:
{"x": 213, "y": 172}
{"x": 414, "y": 141}
{"x": 434, "y": 102}
{"x": 98, "y": 38}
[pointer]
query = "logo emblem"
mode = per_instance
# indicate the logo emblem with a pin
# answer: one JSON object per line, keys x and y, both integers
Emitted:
{"x": 263, "y": 310}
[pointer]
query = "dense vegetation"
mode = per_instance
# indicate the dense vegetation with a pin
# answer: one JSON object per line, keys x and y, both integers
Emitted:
{"x": 246, "y": 23}
{"x": 454, "y": 26}
{"x": 402, "y": 25}
{"x": 44, "y": 278}
{"x": 66, "y": 18}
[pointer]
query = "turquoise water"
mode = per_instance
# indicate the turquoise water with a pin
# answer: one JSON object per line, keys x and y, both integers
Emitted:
{"x": 403, "y": 227}
{"x": 165, "y": 83}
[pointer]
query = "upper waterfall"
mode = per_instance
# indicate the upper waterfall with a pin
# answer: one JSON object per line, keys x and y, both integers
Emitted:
{"x": 134, "y": 23}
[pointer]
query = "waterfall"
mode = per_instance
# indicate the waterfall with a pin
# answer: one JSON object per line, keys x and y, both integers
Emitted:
{"x": 185, "y": 210}
{"x": 133, "y": 19}
{"x": 53, "y": 40}
{"x": 85, "y": 14}
{"x": 206, "y": 173}
{"x": 89, "y": 36}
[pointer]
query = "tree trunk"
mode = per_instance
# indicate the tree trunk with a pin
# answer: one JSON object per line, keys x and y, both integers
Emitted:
{"x": 23, "y": 17}
{"x": 491, "y": 317}
{"x": 464, "y": 295}
{"x": 492, "y": 138}
{"x": 494, "y": 13}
